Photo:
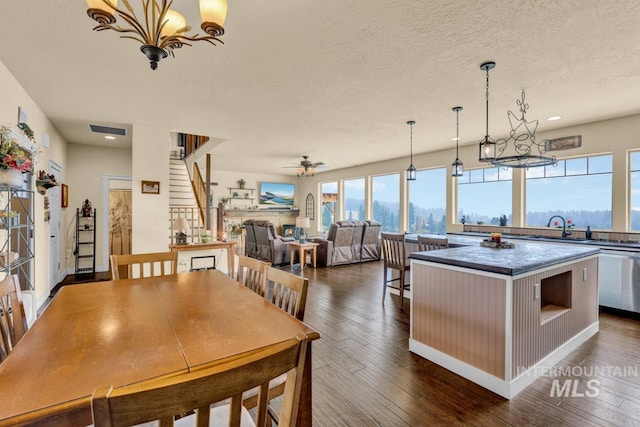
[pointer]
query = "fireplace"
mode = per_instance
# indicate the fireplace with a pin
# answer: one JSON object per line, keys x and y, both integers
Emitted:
{"x": 288, "y": 230}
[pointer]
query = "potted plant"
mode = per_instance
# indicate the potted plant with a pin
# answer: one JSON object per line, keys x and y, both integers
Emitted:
{"x": 9, "y": 218}
{"x": 241, "y": 183}
{"x": 14, "y": 160}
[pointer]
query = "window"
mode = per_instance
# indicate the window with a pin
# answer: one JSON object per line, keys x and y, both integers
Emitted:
{"x": 634, "y": 167}
{"x": 579, "y": 190}
{"x": 329, "y": 192}
{"x": 484, "y": 195}
{"x": 386, "y": 201}
{"x": 427, "y": 202}
{"x": 354, "y": 199}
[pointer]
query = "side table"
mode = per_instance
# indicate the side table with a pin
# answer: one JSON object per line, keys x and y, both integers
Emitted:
{"x": 302, "y": 248}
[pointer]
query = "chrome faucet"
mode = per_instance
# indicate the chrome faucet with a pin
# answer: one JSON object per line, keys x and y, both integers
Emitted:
{"x": 565, "y": 233}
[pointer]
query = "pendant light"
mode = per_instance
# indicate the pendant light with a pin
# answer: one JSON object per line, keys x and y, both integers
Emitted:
{"x": 411, "y": 170}
{"x": 520, "y": 149}
{"x": 487, "y": 146}
{"x": 456, "y": 166}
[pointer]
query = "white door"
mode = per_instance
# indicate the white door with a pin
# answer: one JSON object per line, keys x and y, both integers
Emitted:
{"x": 54, "y": 226}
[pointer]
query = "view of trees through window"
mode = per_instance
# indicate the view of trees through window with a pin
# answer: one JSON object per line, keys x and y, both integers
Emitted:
{"x": 427, "y": 202}
{"x": 484, "y": 196}
{"x": 579, "y": 190}
{"x": 354, "y": 199}
{"x": 386, "y": 201}
{"x": 329, "y": 199}
{"x": 634, "y": 167}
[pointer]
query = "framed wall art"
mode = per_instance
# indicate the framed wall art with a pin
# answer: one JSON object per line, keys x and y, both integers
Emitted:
{"x": 64, "y": 195}
{"x": 150, "y": 187}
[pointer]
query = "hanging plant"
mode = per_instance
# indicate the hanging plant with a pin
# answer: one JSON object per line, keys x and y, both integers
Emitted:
{"x": 27, "y": 131}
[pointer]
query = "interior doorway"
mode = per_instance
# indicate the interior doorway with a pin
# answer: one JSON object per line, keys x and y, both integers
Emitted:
{"x": 54, "y": 218}
{"x": 118, "y": 212}
{"x": 119, "y": 221}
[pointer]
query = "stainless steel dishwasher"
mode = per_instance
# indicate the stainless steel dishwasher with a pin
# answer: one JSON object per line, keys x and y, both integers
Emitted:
{"x": 619, "y": 279}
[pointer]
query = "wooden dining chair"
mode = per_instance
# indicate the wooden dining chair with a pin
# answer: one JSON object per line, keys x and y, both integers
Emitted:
{"x": 143, "y": 265}
{"x": 165, "y": 398}
{"x": 394, "y": 252}
{"x": 432, "y": 243}
{"x": 13, "y": 320}
{"x": 252, "y": 273}
{"x": 287, "y": 291}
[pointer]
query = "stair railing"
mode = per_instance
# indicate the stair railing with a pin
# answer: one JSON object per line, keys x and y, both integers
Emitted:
{"x": 200, "y": 192}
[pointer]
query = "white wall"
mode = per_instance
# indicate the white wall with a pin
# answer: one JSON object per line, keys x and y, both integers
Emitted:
{"x": 150, "y": 221}
{"x": 88, "y": 165}
{"x": 14, "y": 96}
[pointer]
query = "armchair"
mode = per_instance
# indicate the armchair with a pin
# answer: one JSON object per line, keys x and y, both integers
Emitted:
{"x": 250, "y": 239}
{"x": 269, "y": 245}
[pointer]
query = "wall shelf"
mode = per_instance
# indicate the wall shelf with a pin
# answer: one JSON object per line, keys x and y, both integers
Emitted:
{"x": 85, "y": 243}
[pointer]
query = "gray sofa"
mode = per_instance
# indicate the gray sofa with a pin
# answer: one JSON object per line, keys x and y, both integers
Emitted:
{"x": 349, "y": 242}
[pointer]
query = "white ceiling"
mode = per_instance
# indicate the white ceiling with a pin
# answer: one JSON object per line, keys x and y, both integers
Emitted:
{"x": 336, "y": 80}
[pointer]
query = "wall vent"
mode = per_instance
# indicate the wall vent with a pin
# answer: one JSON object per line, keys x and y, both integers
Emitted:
{"x": 108, "y": 129}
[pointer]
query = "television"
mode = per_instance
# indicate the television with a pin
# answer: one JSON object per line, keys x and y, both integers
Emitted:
{"x": 277, "y": 194}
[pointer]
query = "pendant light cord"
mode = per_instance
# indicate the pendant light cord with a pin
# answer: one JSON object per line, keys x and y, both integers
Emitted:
{"x": 457, "y": 133}
{"x": 411, "y": 143}
{"x": 487, "y": 108}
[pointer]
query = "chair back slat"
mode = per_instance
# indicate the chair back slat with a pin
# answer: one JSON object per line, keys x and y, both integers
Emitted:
{"x": 252, "y": 273}
{"x": 432, "y": 243}
{"x": 393, "y": 250}
{"x": 164, "y": 398}
{"x": 289, "y": 292}
{"x": 13, "y": 320}
{"x": 143, "y": 265}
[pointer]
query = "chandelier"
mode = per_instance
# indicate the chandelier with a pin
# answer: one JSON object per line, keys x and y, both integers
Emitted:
{"x": 163, "y": 29}
{"x": 520, "y": 149}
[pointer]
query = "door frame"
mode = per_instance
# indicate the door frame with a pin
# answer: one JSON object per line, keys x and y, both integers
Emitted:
{"x": 54, "y": 273}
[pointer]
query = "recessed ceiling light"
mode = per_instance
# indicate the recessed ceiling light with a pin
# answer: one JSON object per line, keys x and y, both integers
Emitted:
{"x": 109, "y": 137}
{"x": 455, "y": 139}
{"x": 554, "y": 118}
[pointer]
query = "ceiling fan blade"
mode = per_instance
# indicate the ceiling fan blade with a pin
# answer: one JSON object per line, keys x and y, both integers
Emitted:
{"x": 315, "y": 165}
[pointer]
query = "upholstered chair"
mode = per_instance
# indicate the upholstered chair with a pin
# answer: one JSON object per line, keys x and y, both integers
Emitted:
{"x": 371, "y": 240}
{"x": 250, "y": 239}
{"x": 341, "y": 234}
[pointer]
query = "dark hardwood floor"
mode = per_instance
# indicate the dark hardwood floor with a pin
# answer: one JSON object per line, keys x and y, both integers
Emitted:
{"x": 364, "y": 374}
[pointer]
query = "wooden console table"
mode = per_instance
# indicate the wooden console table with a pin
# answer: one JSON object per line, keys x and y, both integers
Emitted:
{"x": 229, "y": 246}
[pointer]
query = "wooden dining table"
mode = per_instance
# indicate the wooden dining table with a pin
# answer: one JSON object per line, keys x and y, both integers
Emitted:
{"x": 126, "y": 331}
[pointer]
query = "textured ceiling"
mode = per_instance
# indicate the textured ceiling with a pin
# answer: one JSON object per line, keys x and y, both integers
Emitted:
{"x": 336, "y": 80}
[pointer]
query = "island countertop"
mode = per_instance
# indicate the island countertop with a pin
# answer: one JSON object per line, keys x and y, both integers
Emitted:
{"x": 523, "y": 258}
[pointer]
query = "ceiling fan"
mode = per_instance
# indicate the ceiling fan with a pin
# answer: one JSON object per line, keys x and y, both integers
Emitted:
{"x": 306, "y": 167}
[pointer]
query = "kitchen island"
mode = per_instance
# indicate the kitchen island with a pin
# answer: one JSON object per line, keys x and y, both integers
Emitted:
{"x": 498, "y": 316}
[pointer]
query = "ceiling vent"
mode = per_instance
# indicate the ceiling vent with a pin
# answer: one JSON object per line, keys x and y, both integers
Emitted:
{"x": 108, "y": 129}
